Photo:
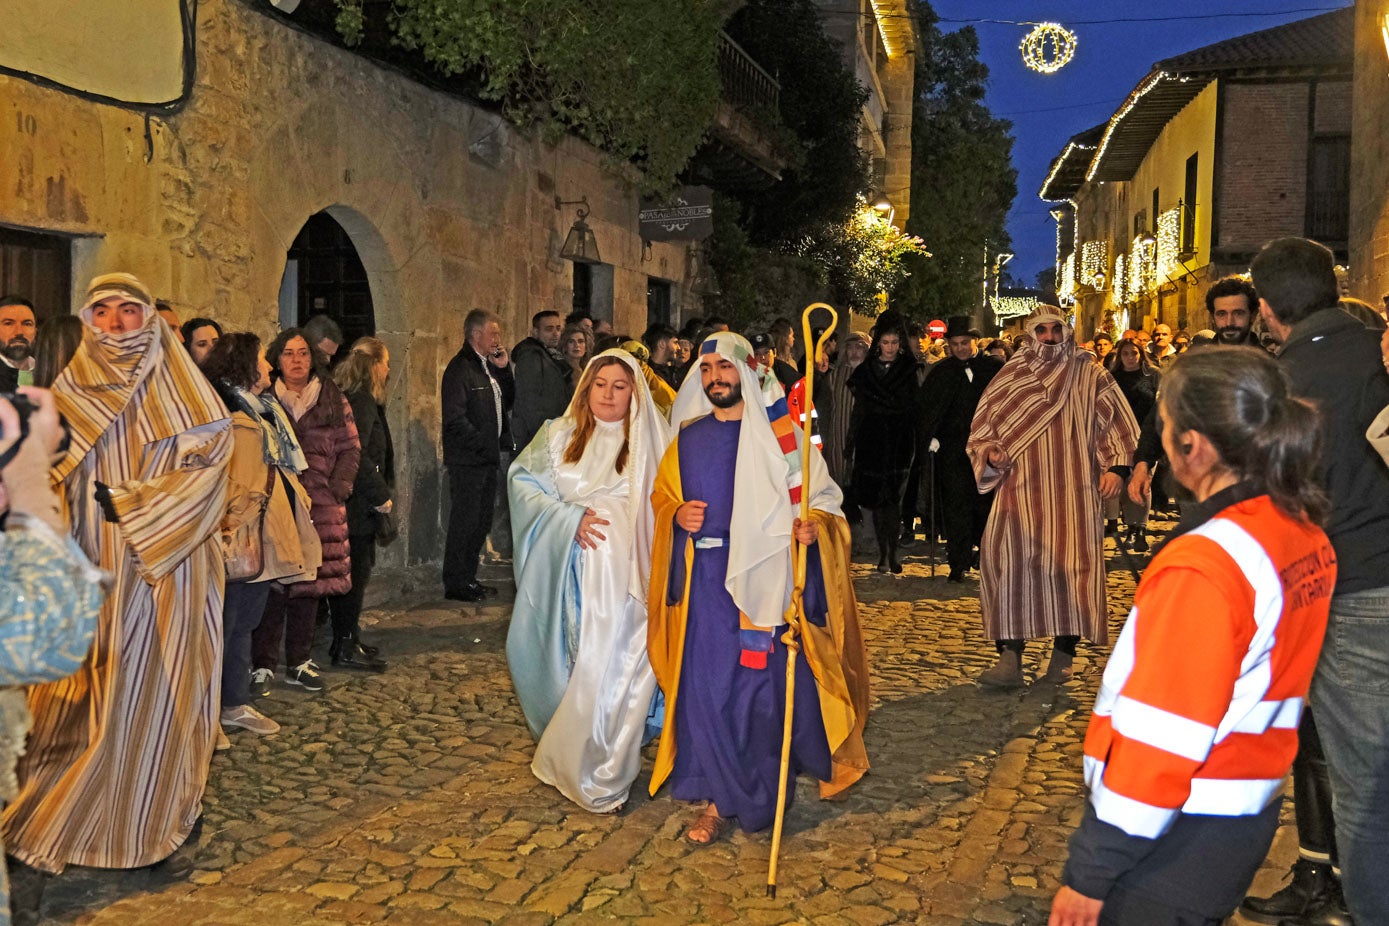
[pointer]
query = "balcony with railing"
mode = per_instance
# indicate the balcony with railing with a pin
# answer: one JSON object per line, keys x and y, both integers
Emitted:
{"x": 745, "y": 83}
{"x": 742, "y": 150}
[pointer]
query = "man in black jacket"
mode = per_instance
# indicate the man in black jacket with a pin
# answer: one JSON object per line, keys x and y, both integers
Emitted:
{"x": 16, "y": 343}
{"x": 949, "y": 397}
{"x": 476, "y": 395}
{"x": 1334, "y": 361}
{"x": 542, "y": 378}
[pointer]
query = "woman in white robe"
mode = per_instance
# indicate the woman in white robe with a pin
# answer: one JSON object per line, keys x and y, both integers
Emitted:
{"x": 581, "y": 521}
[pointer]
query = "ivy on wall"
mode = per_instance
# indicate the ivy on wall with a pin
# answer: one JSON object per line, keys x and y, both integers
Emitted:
{"x": 638, "y": 79}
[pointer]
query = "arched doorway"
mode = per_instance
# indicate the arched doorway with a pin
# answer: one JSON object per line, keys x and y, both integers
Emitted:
{"x": 324, "y": 276}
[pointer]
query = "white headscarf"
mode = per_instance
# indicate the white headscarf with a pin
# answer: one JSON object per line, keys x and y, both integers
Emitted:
{"x": 759, "y": 557}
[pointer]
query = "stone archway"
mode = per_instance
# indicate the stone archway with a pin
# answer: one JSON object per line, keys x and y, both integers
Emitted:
{"x": 325, "y": 273}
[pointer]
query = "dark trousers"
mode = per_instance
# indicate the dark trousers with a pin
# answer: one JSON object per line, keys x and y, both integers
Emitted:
{"x": 242, "y": 609}
{"x": 963, "y": 511}
{"x": 1122, "y": 908}
{"x": 346, "y": 610}
{"x": 288, "y": 619}
{"x": 1316, "y": 824}
{"x": 472, "y": 495}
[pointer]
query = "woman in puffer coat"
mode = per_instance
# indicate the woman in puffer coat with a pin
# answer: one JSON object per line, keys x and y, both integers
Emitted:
{"x": 326, "y": 430}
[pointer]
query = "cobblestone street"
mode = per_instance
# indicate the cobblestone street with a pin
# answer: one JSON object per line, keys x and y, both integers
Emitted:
{"x": 407, "y": 798}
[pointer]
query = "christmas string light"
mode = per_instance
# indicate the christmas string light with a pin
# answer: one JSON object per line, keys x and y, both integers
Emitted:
{"x": 1066, "y": 292}
{"x": 1142, "y": 276}
{"x": 1014, "y": 306}
{"x": 1121, "y": 280}
{"x": 1168, "y": 241}
{"x": 1048, "y": 48}
{"x": 1094, "y": 263}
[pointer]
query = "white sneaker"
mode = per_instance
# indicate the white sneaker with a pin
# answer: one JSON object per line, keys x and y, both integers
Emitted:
{"x": 306, "y": 676}
{"x": 248, "y": 718}
{"x": 261, "y": 680}
{"x": 221, "y": 743}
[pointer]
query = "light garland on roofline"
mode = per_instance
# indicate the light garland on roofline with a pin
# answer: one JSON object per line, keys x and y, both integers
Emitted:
{"x": 1048, "y": 48}
{"x": 1128, "y": 106}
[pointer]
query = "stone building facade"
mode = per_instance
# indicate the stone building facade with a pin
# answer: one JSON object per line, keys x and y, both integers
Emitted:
{"x": 1214, "y": 153}
{"x": 447, "y": 206}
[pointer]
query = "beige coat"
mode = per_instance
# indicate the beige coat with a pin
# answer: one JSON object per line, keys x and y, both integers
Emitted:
{"x": 292, "y": 549}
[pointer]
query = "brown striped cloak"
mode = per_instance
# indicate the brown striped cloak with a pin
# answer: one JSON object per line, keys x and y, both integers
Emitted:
{"x": 118, "y": 757}
{"x": 1063, "y": 422}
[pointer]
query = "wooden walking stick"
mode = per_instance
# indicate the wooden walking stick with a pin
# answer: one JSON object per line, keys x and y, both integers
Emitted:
{"x": 795, "y": 614}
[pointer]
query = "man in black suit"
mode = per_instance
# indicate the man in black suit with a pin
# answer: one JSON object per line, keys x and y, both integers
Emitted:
{"x": 476, "y": 396}
{"x": 949, "y": 397}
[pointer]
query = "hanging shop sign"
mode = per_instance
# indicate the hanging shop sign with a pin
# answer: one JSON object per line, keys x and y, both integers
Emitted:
{"x": 687, "y": 215}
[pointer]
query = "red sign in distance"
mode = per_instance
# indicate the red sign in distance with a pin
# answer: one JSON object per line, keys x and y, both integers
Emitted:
{"x": 936, "y": 328}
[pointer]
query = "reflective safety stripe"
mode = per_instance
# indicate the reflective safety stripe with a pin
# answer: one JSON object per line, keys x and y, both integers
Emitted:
{"x": 1231, "y": 797}
{"x": 1269, "y": 715}
{"x": 1217, "y": 797}
{"x": 1133, "y": 817}
{"x": 1165, "y": 730}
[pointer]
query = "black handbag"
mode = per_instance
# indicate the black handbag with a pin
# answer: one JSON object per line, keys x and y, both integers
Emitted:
{"x": 387, "y": 528}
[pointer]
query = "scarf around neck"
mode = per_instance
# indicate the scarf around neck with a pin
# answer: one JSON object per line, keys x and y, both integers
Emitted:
{"x": 277, "y": 434}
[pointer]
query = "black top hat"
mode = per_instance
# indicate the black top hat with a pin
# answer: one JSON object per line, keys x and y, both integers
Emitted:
{"x": 958, "y": 326}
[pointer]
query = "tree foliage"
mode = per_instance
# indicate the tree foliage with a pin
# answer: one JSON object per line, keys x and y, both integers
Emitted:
{"x": 636, "y": 78}
{"x": 820, "y": 106}
{"x": 963, "y": 180}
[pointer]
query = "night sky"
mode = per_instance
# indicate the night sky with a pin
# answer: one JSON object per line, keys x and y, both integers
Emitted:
{"x": 1110, "y": 60}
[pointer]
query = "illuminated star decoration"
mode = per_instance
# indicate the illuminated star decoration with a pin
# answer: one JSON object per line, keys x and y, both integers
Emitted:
{"x": 1048, "y": 48}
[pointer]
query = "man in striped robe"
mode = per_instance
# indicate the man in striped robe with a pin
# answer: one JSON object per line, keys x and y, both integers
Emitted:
{"x": 119, "y": 753}
{"x": 1052, "y": 436}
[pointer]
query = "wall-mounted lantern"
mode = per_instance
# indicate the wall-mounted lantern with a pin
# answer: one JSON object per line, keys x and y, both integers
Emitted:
{"x": 580, "y": 245}
{"x": 702, "y": 279}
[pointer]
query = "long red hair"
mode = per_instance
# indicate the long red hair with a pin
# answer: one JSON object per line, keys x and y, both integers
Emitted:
{"x": 583, "y": 414}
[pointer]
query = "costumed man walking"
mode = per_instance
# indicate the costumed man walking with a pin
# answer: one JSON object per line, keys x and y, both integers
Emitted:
{"x": 1052, "y": 437}
{"x": 949, "y": 397}
{"x": 119, "y": 752}
{"x": 721, "y": 583}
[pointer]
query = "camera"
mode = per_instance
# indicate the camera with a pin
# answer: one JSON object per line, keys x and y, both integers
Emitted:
{"x": 23, "y": 408}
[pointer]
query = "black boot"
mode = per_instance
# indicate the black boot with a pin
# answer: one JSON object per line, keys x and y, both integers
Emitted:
{"x": 894, "y": 562}
{"x": 1329, "y": 911}
{"x": 1311, "y": 881}
{"x": 179, "y": 863}
{"x": 349, "y": 654}
{"x": 26, "y": 891}
{"x": 369, "y": 650}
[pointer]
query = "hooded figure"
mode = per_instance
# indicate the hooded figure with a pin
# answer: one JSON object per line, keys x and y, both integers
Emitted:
{"x": 582, "y": 530}
{"x": 1051, "y": 435}
{"x": 720, "y": 594}
{"x": 118, "y": 757}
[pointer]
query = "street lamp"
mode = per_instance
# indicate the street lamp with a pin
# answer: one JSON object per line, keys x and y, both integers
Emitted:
{"x": 580, "y": 245}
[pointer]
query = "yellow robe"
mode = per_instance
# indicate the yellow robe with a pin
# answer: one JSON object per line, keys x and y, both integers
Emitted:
{"x": 835, "y": 652}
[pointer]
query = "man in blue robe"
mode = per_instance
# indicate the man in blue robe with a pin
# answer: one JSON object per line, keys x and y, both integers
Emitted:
{"x": 721, "y": 585}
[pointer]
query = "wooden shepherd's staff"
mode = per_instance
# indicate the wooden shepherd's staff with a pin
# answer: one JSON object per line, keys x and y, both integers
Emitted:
{"x": 796, "y": 613}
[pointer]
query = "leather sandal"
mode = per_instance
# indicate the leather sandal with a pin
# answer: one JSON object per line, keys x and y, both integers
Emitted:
{"x": 708, "y": 824}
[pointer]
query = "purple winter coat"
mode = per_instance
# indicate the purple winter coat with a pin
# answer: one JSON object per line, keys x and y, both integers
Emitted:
{"x": 333, "y": 452}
